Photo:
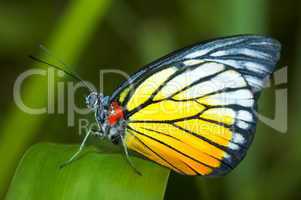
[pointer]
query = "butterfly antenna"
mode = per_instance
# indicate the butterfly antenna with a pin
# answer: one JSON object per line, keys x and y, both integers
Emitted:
{"x": 71, "y": 74}
{"x": 128, "y": 157}
{"x": 47, "y": 51}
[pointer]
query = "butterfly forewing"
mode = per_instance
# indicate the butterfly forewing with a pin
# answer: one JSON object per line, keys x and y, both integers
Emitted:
{"x": 193, "y": 111}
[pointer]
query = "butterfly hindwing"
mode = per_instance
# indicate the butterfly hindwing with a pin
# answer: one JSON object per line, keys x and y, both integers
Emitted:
{"x": 193, "y": 111}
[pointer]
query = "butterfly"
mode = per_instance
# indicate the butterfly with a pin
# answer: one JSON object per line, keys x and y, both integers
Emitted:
{"x": 194, "y": 110}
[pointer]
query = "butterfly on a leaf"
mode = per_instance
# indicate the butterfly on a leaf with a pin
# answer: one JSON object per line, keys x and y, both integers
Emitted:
{"x": 192, "y": 111}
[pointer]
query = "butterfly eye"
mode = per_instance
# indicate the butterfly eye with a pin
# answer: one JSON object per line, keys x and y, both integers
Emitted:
{"x": 92, "y": 100}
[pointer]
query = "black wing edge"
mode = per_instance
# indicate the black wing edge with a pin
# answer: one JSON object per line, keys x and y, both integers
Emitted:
{"x": 255, "y": 56}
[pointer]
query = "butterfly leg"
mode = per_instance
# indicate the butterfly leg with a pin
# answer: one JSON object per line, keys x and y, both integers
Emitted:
{"x": 75, "y": 155}
{"x": 128, "y": 157}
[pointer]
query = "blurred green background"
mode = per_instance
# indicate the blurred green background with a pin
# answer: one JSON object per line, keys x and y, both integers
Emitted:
{"x": 125, "y": 35}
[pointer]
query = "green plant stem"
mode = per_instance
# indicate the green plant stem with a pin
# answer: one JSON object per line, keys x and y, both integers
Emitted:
{"x": 68, "y": 40}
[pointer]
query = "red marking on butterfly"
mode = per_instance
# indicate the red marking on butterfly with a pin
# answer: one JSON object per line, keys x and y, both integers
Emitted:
{"x": 115, "y": 113}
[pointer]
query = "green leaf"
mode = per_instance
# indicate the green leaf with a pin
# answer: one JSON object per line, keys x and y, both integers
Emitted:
{"x": 95, "y": 175}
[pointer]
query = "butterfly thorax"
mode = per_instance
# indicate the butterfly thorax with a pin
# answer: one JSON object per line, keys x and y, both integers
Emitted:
{"x": 109, "y": 116}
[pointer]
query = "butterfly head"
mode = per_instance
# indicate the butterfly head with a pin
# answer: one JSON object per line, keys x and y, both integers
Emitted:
{"x": 93, "y": 100}
{"x": 98, "y": 103}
